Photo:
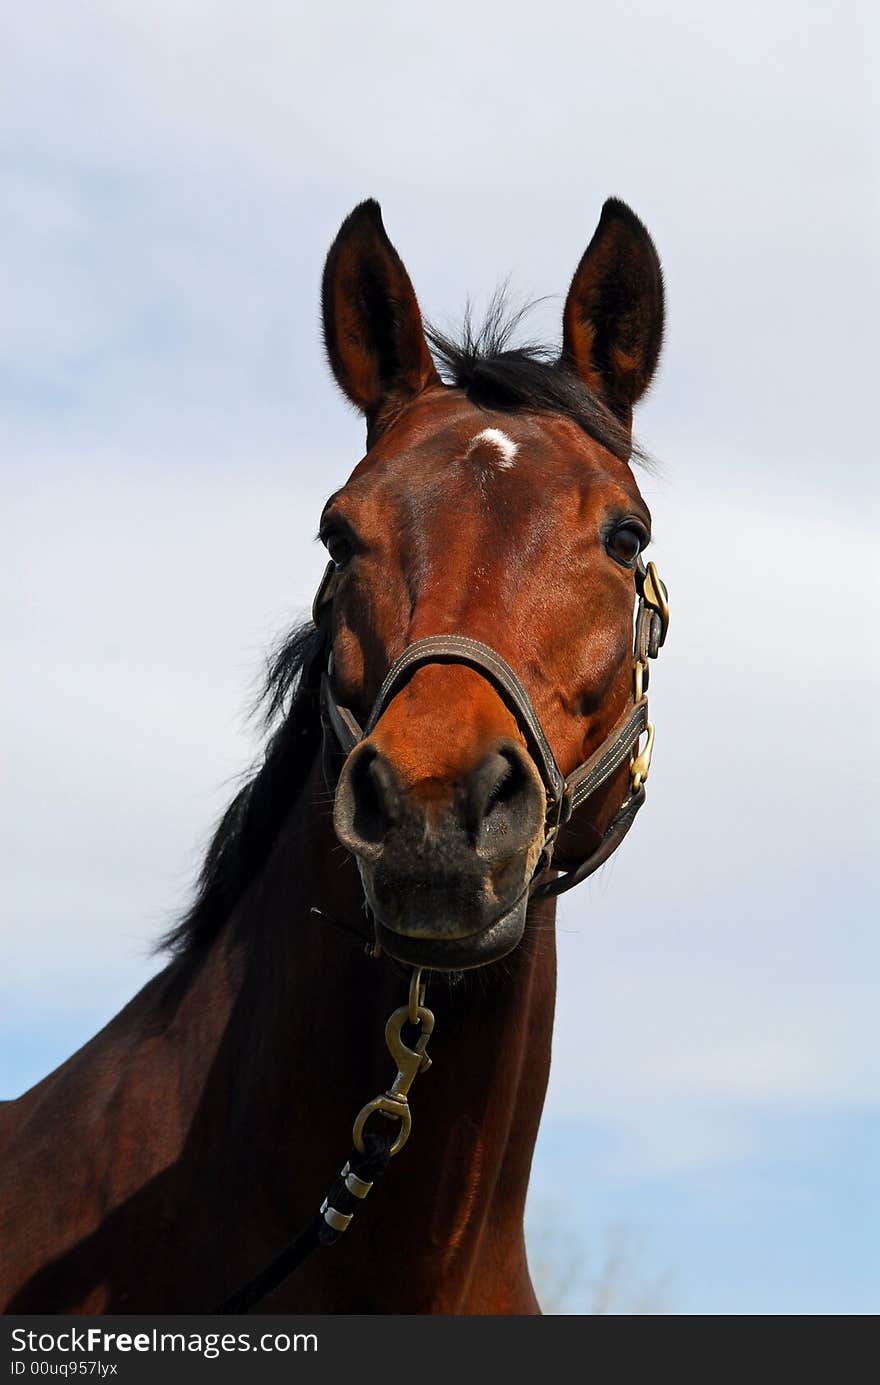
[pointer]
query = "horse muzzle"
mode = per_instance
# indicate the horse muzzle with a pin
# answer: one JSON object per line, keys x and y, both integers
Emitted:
{"x": 445, "y": 867}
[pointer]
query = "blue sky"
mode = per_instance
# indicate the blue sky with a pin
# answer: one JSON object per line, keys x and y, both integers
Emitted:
{"x": 172, "y": 178}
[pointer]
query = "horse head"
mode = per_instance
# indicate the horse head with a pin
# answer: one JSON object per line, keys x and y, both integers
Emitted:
{"x": 495, "y": 513}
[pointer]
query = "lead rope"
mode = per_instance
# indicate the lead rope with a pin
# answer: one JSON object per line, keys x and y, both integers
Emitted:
{"x": 369, "y": 1158}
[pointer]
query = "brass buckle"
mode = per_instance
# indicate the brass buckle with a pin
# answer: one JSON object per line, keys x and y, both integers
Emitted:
{"x": 655, "y": 595}
{"x": 640, "y": 764}
{"x": 639, "y": 671}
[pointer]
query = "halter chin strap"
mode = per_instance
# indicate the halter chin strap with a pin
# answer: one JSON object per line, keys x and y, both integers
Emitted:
{"x": 564, "y": 794}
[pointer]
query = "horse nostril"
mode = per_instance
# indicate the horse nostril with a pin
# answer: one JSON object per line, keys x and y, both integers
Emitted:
{"x": 497, "y": 811}
{"x": 368, "y": 800}
{"x": 503, "y": 803}
{"x": 491, "y": 783}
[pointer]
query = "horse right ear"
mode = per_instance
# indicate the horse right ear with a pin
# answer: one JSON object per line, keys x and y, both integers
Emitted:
{"x": 372, "y": 325}
{"x": 613, "y": 318}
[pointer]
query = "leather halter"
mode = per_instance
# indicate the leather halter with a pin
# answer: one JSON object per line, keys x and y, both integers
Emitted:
{"x": 564, "y": 794}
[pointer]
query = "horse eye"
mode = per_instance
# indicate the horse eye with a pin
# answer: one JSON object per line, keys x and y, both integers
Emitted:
{"x": 339, "y": 546}
{"x": 626, "y": 543}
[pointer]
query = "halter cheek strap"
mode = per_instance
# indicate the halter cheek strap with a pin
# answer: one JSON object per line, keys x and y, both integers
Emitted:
{"x": 564, "y": 794}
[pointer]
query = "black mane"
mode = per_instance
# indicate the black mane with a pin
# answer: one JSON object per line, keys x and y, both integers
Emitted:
{"x": 529, "y": 376}
{"x": 251, "y": 823}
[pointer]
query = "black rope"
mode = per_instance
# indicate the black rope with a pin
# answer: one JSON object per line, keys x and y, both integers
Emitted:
{"x": 367, "y": 1167}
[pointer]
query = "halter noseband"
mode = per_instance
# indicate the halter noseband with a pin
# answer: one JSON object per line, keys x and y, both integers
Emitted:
{"x": 564, "y": 794}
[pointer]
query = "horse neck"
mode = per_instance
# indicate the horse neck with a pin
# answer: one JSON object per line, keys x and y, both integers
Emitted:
{"x": 305, "y": 1040}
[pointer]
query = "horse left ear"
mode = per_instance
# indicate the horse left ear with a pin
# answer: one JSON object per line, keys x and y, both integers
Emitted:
{"x": 372, "y": 324}
{"x": 613, "y": 317}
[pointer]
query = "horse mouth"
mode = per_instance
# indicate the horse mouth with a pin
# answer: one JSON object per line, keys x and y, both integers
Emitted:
{"x": 442, "y": 952}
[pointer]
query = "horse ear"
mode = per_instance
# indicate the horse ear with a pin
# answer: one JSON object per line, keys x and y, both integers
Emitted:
{"x": 613, "y": 317}
{"x": 372, "y": 324}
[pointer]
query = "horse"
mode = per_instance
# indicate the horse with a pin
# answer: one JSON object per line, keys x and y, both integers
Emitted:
{"x": 454, "y": 738}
